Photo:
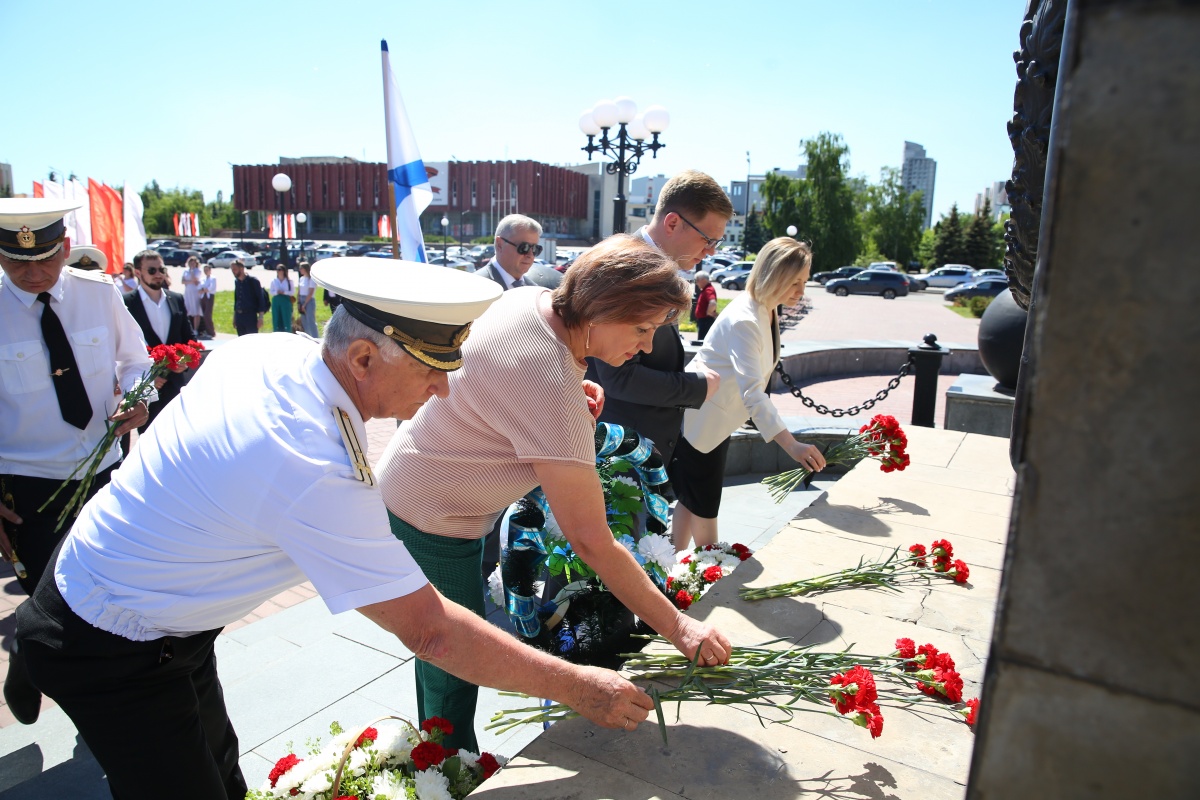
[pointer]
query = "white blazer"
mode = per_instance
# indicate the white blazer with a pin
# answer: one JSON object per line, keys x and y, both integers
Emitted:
{"x": 740, "y": 349}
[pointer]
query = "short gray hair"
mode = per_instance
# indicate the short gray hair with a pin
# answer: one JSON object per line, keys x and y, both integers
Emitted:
{"x": 342, "y": 330}
{"x": 518, "y": 222}
{"x": 700, "y": 274}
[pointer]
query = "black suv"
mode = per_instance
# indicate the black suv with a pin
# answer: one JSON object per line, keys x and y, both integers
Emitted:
{"x": 841, "y": 272}
{"x": 177, "y": 258}
{"x": 888, "y": 285}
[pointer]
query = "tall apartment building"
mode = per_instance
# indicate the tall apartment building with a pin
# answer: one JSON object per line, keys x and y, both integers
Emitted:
{"x": 6, "y": 180}
{"x": 997, "y": 196}
{"x": 919, "y": 172}
{"x": 746, "y": 201}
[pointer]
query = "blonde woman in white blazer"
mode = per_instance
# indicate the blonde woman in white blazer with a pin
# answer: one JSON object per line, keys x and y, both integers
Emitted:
{"x": 742, "y": 347}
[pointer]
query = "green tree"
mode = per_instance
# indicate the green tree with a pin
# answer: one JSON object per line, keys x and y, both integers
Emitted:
{"x": 894, "y": 217}
{"x": 950, "y": 244}
{"x": 784, "y": 203}
{"x": 925, "y": 248}
{"x": 828, "y": 217}
{"x": 756, "y": 235}
{"x": 162, "y": 206}
{"x": 980, "y": 240}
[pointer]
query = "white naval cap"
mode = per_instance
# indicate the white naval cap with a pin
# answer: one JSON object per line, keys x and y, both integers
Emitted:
{"x": 84, "y": 256}
{"x": 31, "y": 228}
{"x": 426, "y": 309}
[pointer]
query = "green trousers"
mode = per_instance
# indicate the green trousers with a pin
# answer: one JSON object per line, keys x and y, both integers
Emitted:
{"x": 453, "y": 567}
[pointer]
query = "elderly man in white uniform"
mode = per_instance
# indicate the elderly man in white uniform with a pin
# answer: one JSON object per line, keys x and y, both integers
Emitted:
{"x": 253, "y": 480}
{"x": 64, "y": 336}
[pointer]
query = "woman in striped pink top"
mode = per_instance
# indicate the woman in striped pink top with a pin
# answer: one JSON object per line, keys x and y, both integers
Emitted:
{"x": 517, "y": 417}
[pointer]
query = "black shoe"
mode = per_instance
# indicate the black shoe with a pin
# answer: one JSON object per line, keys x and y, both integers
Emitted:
{"x": 23, "y": 698}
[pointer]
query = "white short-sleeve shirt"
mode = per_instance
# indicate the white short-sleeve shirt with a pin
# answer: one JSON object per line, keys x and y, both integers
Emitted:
{"x": 242, "y": 488}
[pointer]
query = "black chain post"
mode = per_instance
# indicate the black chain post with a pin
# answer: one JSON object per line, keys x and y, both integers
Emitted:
{"x": 927, "y": 360}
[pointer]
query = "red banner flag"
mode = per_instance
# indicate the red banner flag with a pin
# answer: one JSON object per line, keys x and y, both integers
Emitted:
{"x": 38, "y": 191}
{"x": 108, "y": 221}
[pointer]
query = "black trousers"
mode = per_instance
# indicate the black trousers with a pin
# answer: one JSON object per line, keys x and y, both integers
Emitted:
{"x": 702, "y": 326}
{"x": 245, "y": 323}
{"x": 35, "y": 538}
{"x": 152, "y": 713}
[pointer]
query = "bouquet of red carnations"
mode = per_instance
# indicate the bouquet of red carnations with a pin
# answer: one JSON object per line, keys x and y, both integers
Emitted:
{"x": 880, "y": 439}
{"x": 885, "y": 573}
{"x": 164, "y": 358}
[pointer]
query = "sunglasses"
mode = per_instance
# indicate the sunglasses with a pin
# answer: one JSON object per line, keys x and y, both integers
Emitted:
{"x": 712, "y": 243}
{"x": 525, "y": 248}
{"x": 155, "y": 270}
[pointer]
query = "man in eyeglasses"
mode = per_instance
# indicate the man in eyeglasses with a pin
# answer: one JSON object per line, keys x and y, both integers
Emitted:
{"x": 162, "y": 316}
{"x": 64, "y": 336}
{"x": 516, "y": 247}
{"x": 650, "y": 391}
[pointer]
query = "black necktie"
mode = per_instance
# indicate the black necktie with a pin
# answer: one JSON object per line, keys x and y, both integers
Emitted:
{"x": 68, "y": 383}
{"x": 517, "y": 284}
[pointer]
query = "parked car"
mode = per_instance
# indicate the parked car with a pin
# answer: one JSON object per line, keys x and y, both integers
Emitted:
{"x": 990, "y": 273}
{"x": 833, "y": 274}
{"x": 359, "y": 249}
{"x": 888, "y": 285}
{"x": 453, "y": 263}
{"x": 719, "y": 261}
{"x": 176, "y": 257}
{"x": 379, "y": 253}
{"x": 158, "y": 244}
{"x": 987, "y": 287}
{"x": 736, "y": 277}
{"x": 721, "y": 273}
{"x": 949, "y": 276}
{"x": 890, "y": 266}
{"x": 226, "y": 259}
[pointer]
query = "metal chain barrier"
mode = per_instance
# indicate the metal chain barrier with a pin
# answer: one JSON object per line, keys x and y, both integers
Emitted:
{"x": 843, "y": 412}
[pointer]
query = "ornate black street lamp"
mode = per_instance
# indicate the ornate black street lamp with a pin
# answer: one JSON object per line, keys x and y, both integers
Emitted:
{"x": 627, "y": 145}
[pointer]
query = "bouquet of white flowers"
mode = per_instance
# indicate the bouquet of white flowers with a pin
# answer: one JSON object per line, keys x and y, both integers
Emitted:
{"x": 397, "y": 762}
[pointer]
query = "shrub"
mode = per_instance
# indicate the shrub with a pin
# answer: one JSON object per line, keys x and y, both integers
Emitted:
{"x": 979, "y": 304}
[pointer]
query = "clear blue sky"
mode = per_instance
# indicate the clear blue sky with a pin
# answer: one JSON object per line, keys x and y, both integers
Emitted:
{"x": 138, "y": 91}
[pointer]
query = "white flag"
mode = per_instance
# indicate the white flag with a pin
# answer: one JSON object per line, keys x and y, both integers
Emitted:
{"x": 135, "y": 227}
{"x": 79, "y": 220}
{"x": 406, "y": 170}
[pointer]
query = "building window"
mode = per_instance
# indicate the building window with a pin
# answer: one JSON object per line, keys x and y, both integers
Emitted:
{"x": 512, "y": 191}
{"x": 341, "y": 192}
{"x": 358, "y": 191}
{"x": 493, "y": 191}
{"x": 474, "y": 200}
{"x": 454, "y": 193}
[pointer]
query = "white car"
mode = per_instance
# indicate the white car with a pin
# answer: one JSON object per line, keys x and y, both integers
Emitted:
{"x": 890, "y": 266}
{"x": 226, "y": 259}
{"x": 949, "y": 276}
{"x": 452, "y": 262}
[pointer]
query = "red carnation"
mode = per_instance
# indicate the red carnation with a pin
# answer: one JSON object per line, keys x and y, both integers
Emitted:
{"x": 742, "y": 551}
{"x": 918, "y": 553}
{"x": 906, "y": 648}
{"x": 712, "y": 574}
{"x": 281, "y": 767}
{"x": 961, "y": 572}
{"x": 859, "y": 690}
{"x": 346, "y": 797}
{"x": 686, "y": 559}
{"x": 930, "y": 652}
{"x": 941, "y": 564}
{"x": 164, "y": 356}
{"x": 445, "y": 725}
{"x": 489, "y": 764}
{"x": 943, "y": 661}
{"x": 194, "y": 344}
{"x": 427, "y": 754}
{"x": 943, "y": 545}
{"x": 670, "y": 582}
{"x": 711, "y": 547}
{"x": 972, "y": 710}
{"x": 870, "y": 718}
{"x": 683, "y": 599}
{"x": 367, "y": 736}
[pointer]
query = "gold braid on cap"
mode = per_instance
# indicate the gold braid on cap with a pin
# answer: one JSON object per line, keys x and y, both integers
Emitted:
{"x": 418, "y": 347}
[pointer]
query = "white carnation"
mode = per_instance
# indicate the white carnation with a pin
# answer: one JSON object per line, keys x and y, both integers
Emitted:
{"x": 320, "y": 782}
{"x": 728, "y": 561}
{"x": 468, "y": 759}
{"x": 359, "y": 761}
{"x": 658, "y": 549}
{"x": 393, "y": 744}
{"x": 390, "y": 786}
{"x": 705, "y": 561}
{"x": 626, "y": 480}
{"x": 496, "y": 587}
{"x": 432, "y": 785}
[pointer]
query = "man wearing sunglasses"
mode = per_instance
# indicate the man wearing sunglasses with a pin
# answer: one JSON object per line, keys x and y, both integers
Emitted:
{"x": 650, "y": 391}
{"x": 162, "y": 316}
{"x": 516, "y": 247}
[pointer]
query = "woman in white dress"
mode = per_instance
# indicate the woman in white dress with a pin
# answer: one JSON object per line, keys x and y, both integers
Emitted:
{"x": 191, "y": 291}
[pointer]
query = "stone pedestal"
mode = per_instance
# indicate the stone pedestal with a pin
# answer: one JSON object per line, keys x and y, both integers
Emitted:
{"x": 973, "y": 405}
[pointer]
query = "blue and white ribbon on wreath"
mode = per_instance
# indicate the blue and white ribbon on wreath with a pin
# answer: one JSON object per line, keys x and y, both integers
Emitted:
{"x": 527, "y": 530}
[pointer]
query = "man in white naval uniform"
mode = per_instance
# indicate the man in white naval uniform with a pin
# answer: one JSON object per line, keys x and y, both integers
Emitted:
{"x": 253, "y": 480}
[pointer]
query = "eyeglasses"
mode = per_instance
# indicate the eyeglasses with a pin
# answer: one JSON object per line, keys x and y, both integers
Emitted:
{"x": 524, "y": 248}
{"x": 712, "y": 243}
{"x": 155, "y": 270}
